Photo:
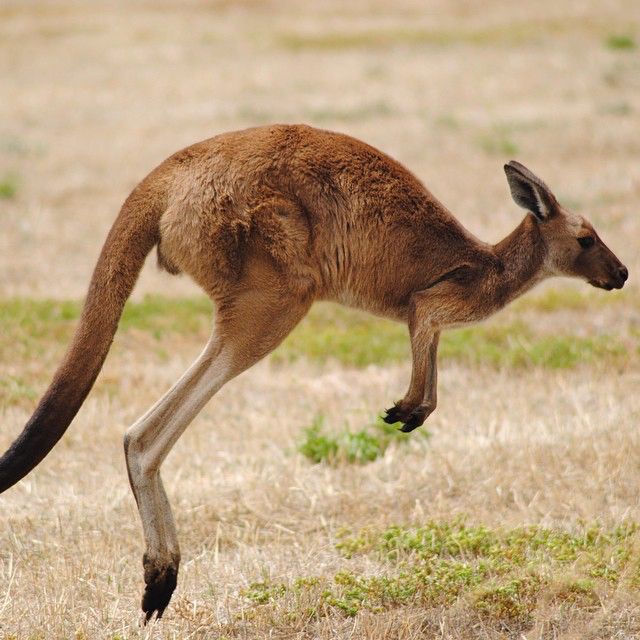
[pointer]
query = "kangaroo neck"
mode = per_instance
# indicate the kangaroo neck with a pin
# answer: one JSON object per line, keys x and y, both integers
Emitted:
{"x": 522, "y": 257}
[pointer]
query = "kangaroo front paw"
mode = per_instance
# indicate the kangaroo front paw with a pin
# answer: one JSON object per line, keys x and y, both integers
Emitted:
{"x": 393, "y": 415}
{"x": 411, "y": 418}
{"x": 160, "y": 580}
{"x": 415, "y": 419}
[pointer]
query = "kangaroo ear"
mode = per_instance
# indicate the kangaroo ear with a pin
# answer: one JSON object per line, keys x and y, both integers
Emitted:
{"x": 529, "y": 192}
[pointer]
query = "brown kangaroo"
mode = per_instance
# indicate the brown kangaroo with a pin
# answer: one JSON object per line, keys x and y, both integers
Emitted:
{"x": 267, "y": 221}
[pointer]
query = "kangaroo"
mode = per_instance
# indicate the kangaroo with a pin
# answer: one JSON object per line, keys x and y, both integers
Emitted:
{"x": 267, "y": 221}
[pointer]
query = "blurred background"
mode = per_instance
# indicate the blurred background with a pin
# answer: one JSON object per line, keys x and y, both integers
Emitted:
{"x": 95, "y": 94}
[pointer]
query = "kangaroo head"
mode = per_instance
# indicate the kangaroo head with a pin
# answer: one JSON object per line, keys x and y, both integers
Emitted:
{"x": 574, "y": 248}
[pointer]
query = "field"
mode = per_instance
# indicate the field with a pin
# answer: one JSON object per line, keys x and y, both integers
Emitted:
{"x": 514, "y": 512}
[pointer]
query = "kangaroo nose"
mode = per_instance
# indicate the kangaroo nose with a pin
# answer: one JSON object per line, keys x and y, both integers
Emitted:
{"x": 623, "y": 273}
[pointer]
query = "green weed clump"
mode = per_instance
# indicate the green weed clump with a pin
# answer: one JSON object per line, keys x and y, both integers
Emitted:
{"x": 348, "y": 447}
{"x": 503, "y": 576}
{"x": 510, "y": 602}
{"x": 263, "y": 592}
{"x": 517, "y": 546}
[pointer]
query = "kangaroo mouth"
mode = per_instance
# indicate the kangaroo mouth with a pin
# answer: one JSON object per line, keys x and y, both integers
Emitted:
{"x": 607, "y": 286}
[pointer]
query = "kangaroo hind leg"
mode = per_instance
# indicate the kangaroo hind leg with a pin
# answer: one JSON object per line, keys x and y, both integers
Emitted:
{"x": 247, "y": 328}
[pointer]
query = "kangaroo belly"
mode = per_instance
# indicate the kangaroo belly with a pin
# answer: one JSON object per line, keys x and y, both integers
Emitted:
{"x": 212, "y": 239}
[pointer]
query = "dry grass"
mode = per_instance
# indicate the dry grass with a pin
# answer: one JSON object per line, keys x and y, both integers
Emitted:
{"x": 96, "y": 94}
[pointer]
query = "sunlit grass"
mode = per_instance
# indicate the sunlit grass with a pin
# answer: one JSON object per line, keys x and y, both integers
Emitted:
{"x": 502, "y": 34}
{"x": 575, "y": 299}
{"x": 504, "y": 576}
{"x": 356, "y": 339}
{"x": 29, "y": 326}
{"x": 35, "y": 334}
{"x": 329, "y": 333}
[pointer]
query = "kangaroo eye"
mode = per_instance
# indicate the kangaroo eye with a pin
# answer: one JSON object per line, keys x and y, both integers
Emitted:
{"x": 586, "y": 241}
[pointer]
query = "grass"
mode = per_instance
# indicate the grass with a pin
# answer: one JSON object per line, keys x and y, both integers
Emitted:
{"x": 572, "y": 299}
{"x": 504, "y": 577}
{"x": 349, "y": 337}
{"x": 8, "y": 187}
{"x": 36, "y": 332}
{"x": 502, "y": 34}
{"x": 522, "y": 546}
{"x": 159, "y": 315}
{"x": 349, "y": 447}
{"x": 359, "y": 340}
{"x": 517, "y": 346}
{"x": 29, "y": 326}
{"x": 619, "y": 41}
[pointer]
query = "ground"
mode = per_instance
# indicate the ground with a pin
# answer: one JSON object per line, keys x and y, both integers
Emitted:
{"x": 511, "y": 514}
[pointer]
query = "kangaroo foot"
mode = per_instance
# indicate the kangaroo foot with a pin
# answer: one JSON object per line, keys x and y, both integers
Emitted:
{"x": 410, "y": 418}
{"x": 160, "y": 580}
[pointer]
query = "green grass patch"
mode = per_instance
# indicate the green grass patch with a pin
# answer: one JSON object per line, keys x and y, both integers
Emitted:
{"x": 617, "y": 108}
{"x": 620, "y": 41}
{"x": 504, "y": 576}
{"x": 263, "y": 592}
{"x": 347, "y": 446}
{"x": 35, "y": 333}
{"x": 8, "y": 187}
{"x": 352, "y": 338}
{"x": 510, "y": 602}
{"x": 159, "y": 315}
{"x": 553, "y": 300}
{"x": 357, "y": 339}
{"x": 33, "y": 328}
{"x": 517, "y": 346}
{"x": 524, "y": 546}
{"x": 29, "y": 326}
{"x": 505, "y": 34}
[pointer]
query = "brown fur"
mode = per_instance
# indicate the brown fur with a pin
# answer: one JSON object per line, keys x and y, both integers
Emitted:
{"x": 267, "y": 221}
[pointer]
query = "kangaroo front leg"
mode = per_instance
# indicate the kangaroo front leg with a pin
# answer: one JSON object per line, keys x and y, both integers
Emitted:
{"x": 421, "y": 398}
{"x": 448, "y": 303}
{"x": 429, "y": 311}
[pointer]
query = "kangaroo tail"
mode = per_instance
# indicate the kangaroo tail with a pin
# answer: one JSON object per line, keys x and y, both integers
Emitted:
{"x": 133, "y": 235}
